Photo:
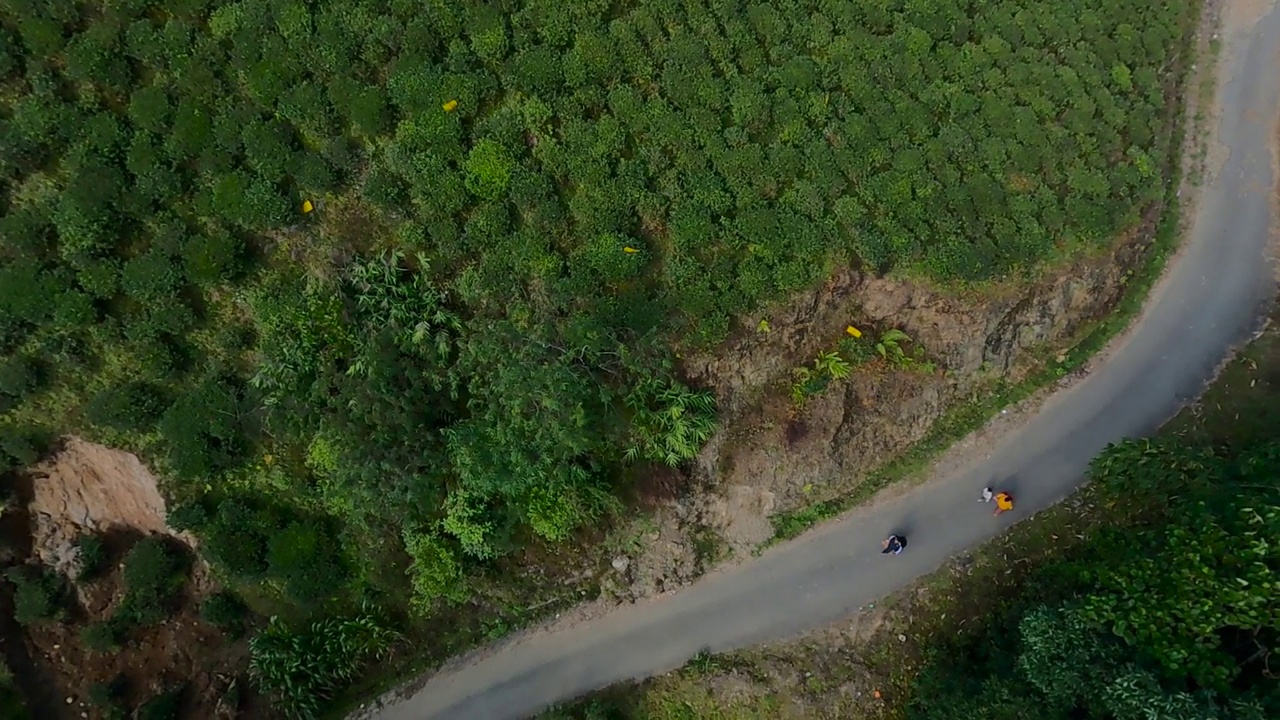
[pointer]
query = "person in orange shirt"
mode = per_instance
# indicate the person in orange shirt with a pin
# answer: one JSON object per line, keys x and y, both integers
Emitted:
{"x": 1004, "y": 502}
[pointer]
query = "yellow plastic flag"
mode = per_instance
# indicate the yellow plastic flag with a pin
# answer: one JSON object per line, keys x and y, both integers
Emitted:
{"x": 629, "y": 250}
{"x": 853, "y": 331}
{"x": 450, "y": 106}
{"x": 307, "y": 207}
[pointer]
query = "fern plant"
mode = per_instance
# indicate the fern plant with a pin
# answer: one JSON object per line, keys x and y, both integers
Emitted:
{"x": 303, "y": 669}
{"x": 670, "y": 422}
{"x": 833, "y": 364}
{"x": 391, "y": 298}
{"x": 890, "y": 347}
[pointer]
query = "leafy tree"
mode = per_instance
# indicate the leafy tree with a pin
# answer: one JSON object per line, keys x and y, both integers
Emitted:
{"x": 1210, "y": 576}
{"x": 205, "y": 431}
{"x": 670, "y": 423}
{"x": 1172, "y": 617}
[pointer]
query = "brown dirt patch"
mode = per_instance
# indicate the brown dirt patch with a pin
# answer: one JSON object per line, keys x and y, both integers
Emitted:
{"x": 657, "y": 485}
{"x": 183, "y": 650}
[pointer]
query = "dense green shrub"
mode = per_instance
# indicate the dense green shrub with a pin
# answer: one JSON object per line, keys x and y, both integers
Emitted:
{"x": 104, "y": 636}
{"x": 308, "y": 562}
{"x": 93, "y": 557}
{"x": 19, "y": 376}
{"x": 134, "y": 406}
{"x": 225, "y": 611}
{"x": 165, "y": 706}
{"x": 19, "y": 446}
{"x": 213, "y": 257}
{"x": 154, "y": 573}
{"x": 38, "y": 595}
{"x": 205, "y": 430}
{"x": 434, "y": 573}
{"x": 107, "y": 695}
{"x": 236, "y": 538}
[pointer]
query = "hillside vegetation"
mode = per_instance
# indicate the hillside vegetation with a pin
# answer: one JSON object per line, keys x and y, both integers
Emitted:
{"x": 1177, "y": 619}
{"x": 389, "y": 286}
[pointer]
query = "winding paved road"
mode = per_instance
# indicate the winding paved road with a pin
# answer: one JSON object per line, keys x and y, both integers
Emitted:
{"x": 1211, "y": 299}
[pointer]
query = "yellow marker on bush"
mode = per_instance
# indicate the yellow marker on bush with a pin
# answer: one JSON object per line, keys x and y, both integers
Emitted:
{"x": 853, "y": 331}
{"x": 307, "y": 207}
{"x": 450, "y": 106}
{"x": 629, "y": 249}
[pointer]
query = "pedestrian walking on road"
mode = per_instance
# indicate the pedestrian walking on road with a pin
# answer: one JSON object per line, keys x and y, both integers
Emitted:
{"x": 1004, "y": 502}
{"x": 987, "y": 495}
{"x": 894, "y": 544}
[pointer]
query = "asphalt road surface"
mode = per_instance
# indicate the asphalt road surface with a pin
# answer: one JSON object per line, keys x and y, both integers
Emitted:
{"x": 1212, "y": 298}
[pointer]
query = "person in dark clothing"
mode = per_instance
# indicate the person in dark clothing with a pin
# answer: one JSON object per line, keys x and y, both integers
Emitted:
{"x": 894, "y": 544}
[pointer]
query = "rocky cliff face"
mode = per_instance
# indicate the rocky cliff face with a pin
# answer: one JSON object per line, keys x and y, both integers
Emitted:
{"x": 769, "y": 458}
{"x": 960, "y": 332}
{"x": 90, "y": 488}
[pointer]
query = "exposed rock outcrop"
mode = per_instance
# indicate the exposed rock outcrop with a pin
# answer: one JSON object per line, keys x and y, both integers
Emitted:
{"x": 90, "y": 488}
